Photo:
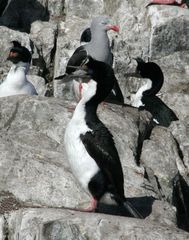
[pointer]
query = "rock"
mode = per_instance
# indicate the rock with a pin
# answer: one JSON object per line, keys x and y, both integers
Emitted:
{"x": 64, "y": 224}
{"x": 43, "y": 36}
{"x": 180, "y": 131}
{"x": 167, "y": 23}
{"x": 159, "y": 157}
{"x": 174, "y": 67}
{"x": 8, "y": 202}
{"x": 32, "y": 149}
{"x": 19, "y": 15}
{"x": 56, "y": 8}
{"x": 178, "y": 103}
{"x": 34, "y": 170}
{"x": 2, "y": 224}
{"x": 164, "y": 213}
{"x": 112, "y": 6}
{"x": 39, "y": 84}
{"x": 84, "y": 9}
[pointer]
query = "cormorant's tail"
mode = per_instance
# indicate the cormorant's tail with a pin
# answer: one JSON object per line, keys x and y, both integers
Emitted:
{"x": 132, "y": 210}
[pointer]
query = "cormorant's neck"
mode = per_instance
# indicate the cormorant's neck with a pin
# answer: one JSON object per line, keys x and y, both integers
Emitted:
{"x": 91, "y": 112}
{"x": 157, "y": 82}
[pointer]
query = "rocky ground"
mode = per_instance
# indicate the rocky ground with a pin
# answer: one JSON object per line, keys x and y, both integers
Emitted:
{"x": 36, "y": 184}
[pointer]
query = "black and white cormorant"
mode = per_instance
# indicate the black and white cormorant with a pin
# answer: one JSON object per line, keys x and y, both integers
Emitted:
{"x": 146, "y": 98}
{"x": 89, "y": 144}
{"x": 16, "y": 81}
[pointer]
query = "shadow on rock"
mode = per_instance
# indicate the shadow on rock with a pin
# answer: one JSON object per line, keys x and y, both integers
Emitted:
{"x": 180, "y": 200}
{"x": 142, "y": 204}
{"x": 19, "y": 14}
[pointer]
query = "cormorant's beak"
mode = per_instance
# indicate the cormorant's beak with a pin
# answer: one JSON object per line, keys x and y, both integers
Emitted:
{"x": 135, "y": 59}
{"x": 81, "y": 73}
{"x": 137, "y": 72}
{"x": 139, "y": 60}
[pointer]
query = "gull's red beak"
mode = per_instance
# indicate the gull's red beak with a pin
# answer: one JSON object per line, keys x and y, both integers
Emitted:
{"x": 113, "y": 27}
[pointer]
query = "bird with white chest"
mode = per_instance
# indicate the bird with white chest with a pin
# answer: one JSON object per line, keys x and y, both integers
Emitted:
{"x": 90, "y": 147}
{"x": 16, "y": 81}
{"x": 146, "y": 98}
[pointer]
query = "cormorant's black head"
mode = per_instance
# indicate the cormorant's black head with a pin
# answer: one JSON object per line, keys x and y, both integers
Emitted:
{"x": 18, "y": 53}
{"x": 152, "y": 71}
{"x": 148, "y": 69}
{"x": 86, "y": 35}
{"x": 103, "y": 74}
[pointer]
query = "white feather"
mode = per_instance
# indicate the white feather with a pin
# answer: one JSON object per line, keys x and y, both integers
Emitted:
{"x": 155, "y": 120}
{"x": 83, "y": 166}
{"x": 16, "y": 81}
{"x": 83, "y": 43}
{"x": 136, "y": 98}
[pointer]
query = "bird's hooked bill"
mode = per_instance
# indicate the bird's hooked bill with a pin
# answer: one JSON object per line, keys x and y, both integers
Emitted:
{"x": 113, "y": 27}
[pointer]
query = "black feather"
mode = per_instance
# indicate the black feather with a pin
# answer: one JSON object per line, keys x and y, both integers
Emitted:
{"x": 159, "y": 110}
{"x": 76, "y": 59}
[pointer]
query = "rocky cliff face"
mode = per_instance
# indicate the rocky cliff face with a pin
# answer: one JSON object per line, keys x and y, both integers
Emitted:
{"x": 36, "y": 184}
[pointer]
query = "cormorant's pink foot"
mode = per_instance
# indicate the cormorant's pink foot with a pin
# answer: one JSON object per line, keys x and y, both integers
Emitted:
{"x": 92, "y": 206}
{"x": 183, "y": 5}
{"x": 71, "y": 108}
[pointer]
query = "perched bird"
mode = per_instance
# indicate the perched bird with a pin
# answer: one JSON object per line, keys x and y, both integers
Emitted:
{"x": 115, "y": 95}
{"x": 181, "y": 3}
{"x": 99, "y": 48}
{"x": 16, "y": 81}
{"x": 146, "y": 98}
{"x": 89, "y": 144}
